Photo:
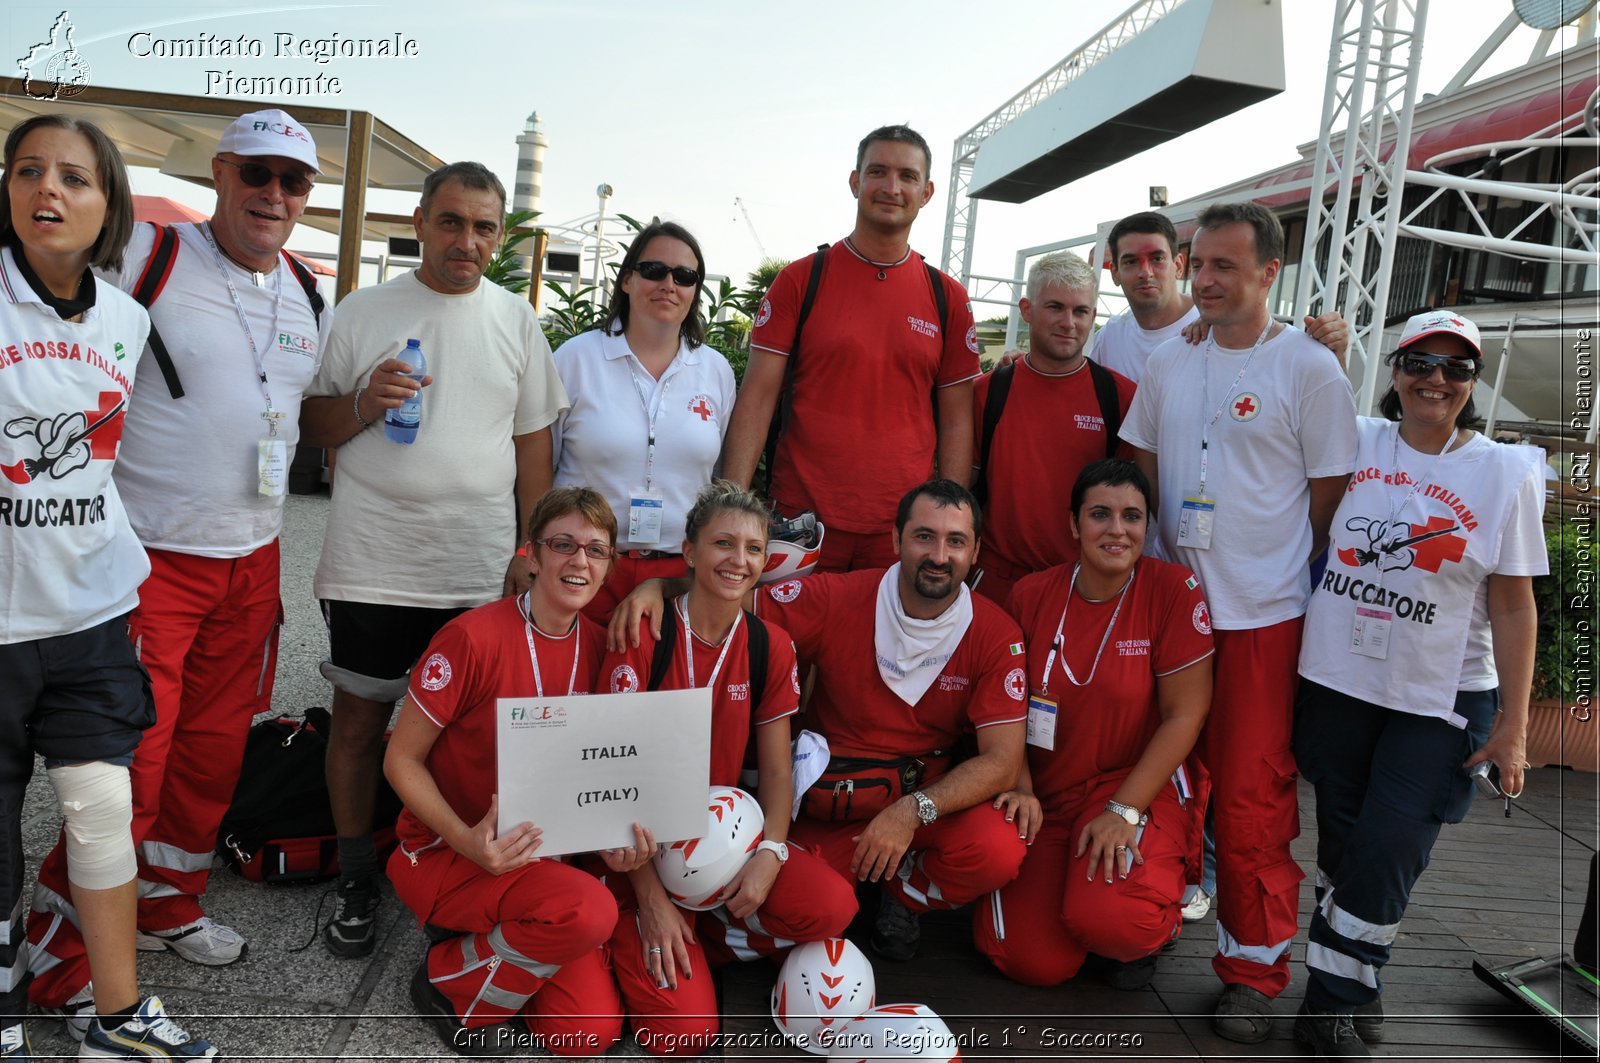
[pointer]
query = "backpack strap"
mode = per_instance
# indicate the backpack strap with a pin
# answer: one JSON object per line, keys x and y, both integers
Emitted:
{"x": 759, "y": 646}
{"x": 1105, "y": 391}
{"x": 157, "y": 268}
{"x": 308, "y": 284}
{"x": 780, "y": 419}
{"x": 994, "y": 405}
{"x": 941, "y": 298}
{"x": 661, "y": 660}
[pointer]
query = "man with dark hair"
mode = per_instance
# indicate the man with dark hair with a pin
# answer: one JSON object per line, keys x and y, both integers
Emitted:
{"x": 872, "y": 353}
{"x": 239, "y": 330}
{"x": 908, "y": 663}
{"x": 1245, "y": 482}
{"x": 419, "y": 534}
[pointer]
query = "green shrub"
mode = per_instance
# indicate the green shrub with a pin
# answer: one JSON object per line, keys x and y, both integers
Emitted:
{"x": 1563, "y": 661}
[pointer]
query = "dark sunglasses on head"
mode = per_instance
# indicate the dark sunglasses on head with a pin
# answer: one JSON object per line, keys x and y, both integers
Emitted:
{"x": 1456, "y": 370}
{"x": 254, "y": 174}
{"x": 567, "y": 547}
{"x": 682, "y": 276}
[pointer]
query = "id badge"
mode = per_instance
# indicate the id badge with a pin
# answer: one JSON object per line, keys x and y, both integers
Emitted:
{"x": 1194, "y": 522}
{"x": 272, "y": 467}
{"x": 1370, "y": 634}
{"x": 644, "y": 516}
{"x": 1041, "y": 722}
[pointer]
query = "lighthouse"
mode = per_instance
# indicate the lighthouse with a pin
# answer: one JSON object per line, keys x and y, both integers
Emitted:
{"x": 531, "y": 144}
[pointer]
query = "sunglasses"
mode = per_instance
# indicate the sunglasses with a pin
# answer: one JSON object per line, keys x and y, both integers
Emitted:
{"x": 1456, "y": 370}
{"x": 682, "y": 276}
{"x": 254, "y": 174}
{"x": 567, "y": 547}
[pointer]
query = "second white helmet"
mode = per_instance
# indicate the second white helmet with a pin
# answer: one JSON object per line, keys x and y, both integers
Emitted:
{"x": 821, "y": 986}
{"x": 696, "y": 871}
{"x": 895, "y": 1031}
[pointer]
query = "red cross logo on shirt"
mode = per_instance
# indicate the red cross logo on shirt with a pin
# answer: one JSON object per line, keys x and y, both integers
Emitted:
{"x": 1247, "y": 407}
{"x": 1431, "y": 553}
{"x": 103, "y": 443}
{"x": 433, "y": 673}
{"x": 701, "y": 407}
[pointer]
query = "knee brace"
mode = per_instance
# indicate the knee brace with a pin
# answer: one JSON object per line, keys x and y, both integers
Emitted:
{"x": 96, "y": 802}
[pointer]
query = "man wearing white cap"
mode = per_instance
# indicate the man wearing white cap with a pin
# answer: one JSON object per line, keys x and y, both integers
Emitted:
{"x": 204, "y": 459}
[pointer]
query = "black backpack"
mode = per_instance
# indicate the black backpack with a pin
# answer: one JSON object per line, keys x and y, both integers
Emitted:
{"x": 994, "y": 405}
{"x": 758, "y": 645}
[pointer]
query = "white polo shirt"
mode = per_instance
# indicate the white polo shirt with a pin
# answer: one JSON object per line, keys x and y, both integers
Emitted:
{"x": 603, "y": 440}
{"x": 1122, "y": 346}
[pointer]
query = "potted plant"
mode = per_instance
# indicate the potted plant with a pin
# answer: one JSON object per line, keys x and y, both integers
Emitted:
{"x": 1563, "y": 719}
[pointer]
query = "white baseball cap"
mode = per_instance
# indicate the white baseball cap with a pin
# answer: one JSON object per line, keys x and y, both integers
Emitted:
{"x": 271, "y": 132}
{"x": 1436, "y": 321}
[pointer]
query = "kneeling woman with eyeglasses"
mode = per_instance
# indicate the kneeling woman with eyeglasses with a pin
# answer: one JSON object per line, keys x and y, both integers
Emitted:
{"x": 1119, "y": 669}
{"x": 521, "y": 934}
{"x": 650, "y": 402}
{"x": 1416, "y": 661}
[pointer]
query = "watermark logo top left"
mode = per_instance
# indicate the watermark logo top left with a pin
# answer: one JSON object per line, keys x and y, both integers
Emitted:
{"x": 54, "y": 69}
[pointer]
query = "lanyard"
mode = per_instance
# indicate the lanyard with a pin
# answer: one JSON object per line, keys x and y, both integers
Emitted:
{"x": 271, "y": 416}
{"x": 526, "y": 605}
{"x": 649, "y": 416}
{"x": 1205, "y": 397}
{"x": 688, "y": 642}
{"x": 1057, "y": 648}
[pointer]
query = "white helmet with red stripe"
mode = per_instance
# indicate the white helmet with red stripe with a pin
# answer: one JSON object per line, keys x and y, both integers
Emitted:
{"x": 822, "y": 985}
{"x": 793, "y": 548}
{"x": 696, "y": 870}
{"x": 895, "y": 1031}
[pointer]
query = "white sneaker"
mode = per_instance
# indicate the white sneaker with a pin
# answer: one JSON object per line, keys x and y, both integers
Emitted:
{"x": 1196, "y": 903}
{"x": 203, "y": 941}
{"x": 77, "y": 1012}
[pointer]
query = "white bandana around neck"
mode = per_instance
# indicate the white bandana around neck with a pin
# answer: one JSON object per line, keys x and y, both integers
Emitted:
{"x": 911, "y": 653}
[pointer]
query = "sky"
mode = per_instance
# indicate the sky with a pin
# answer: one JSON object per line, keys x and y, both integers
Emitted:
{"x": 683, "y": 107}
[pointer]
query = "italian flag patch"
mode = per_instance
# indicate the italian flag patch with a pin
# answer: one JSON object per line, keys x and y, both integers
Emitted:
{"x": 1191, "y": 583}
{"x": 1016, "y": 649}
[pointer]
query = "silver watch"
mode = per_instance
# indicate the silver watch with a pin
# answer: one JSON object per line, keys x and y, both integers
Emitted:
{"x": 927, "y": 811}
{"x": 1129, "y": 814}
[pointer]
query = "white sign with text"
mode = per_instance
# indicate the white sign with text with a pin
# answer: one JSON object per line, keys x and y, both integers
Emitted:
{"x": 586, "y": 768}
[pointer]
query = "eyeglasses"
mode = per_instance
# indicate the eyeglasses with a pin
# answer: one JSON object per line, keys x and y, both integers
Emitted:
{"x": 254, "y": 174}
{"x": 682, "y": 276}
{"x": 567, "y": 547}
{"x": 1456, "y": 370}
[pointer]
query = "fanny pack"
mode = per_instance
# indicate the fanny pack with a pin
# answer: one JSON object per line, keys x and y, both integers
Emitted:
{"x": 856, "y": 788}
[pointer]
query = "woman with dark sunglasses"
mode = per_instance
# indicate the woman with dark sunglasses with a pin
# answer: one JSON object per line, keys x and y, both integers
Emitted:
{"x": 650, "y": 402}
{"x": 1416, "y": 661}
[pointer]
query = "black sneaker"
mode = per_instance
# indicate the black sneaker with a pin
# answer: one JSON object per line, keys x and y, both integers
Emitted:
{"x": 1369, "y": 1021}
{"x": 14, "y": 1044}
{"x": 1331, "y": 1034}
{"x": 897, "y": 933}
{"x": 434, "y": 1007}
{"x": 353, "y": 930}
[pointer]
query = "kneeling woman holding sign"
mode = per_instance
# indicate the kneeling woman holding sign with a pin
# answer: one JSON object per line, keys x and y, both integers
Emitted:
{"x": 784, "y": 894}
{"x": 525, "y": 931}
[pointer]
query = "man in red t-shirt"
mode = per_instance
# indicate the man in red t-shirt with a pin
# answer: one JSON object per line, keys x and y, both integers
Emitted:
{"x": 881, "y": 382}
{"x": 908, "y": 662}
{"x": 1051, "y": 426}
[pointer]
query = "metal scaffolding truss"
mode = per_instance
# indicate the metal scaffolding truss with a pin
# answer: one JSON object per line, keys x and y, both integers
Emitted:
{"x": 1373, "y": 68}
{"x": 961, "y": 212}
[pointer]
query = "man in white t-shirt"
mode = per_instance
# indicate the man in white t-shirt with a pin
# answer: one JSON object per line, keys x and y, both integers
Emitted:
{"x": 421, "y": 532}
{"x": 206, "y": 445}
{"x": 1249, "y": 441}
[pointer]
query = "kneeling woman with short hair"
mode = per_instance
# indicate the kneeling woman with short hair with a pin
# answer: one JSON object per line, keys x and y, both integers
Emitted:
{"x": 1119, "y": 665}
{"x": 520, "y": 929}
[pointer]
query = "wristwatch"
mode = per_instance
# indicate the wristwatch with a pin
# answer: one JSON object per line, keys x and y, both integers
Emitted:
{"x": 1129, "y": 814}
{"x": 927, "y": 811}
{"x": 778, "y": 849}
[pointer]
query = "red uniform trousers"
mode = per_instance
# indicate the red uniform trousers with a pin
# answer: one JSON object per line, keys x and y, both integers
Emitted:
{"x": 518, "y": 929}
{"x": 1246, "y": 748}
{"x": 808, "y": 902}
{"x": 206, "y": 629}
{"x": 627, "y": 572}
{"x": 1040, "y": 928}
{"x": 848, "y": 551}
{"x": 953, "y": 861}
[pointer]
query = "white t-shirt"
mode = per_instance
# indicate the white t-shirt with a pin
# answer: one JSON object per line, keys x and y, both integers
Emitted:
{"x": 433, "y": 524}
{"x": 1125, "y": 347}
{"x": 603, "y": 440}
{"x": 1290, "y": 419}
{"x": 68, "y": 557}
{"x": 188, "y": 470}
{"x": 1481, "y": 507}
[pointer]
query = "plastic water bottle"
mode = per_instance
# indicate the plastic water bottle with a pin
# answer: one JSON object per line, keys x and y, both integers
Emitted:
{"x": 400, "y": 425}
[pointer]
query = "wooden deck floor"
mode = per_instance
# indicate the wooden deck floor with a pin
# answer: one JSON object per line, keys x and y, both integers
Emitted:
{"x": 1501, "y": 889}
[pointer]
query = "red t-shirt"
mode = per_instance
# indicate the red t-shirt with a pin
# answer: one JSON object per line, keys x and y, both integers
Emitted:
{"x": 861, "y": 432}
{"x": 1102, "y": 729}
{"x": 831, "y": 616}
{"x": 1050, "y": 429}
{"x": 731, "y": 719}
{"x": 476, "y": 659}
